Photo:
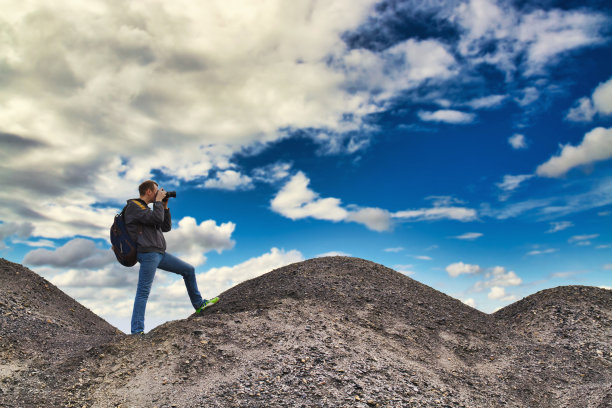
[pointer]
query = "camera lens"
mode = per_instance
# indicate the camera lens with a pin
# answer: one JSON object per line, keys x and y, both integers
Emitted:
{"x": 170, "y": 194}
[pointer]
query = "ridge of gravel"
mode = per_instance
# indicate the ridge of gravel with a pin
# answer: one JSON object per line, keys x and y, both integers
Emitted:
{"x": 326, "y": 332}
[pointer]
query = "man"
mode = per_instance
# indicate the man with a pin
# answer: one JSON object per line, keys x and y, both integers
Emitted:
{"x": 148, "y": 226}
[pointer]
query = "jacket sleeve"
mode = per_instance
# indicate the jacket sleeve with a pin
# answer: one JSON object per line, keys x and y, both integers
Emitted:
{"x": 135, "y": 214}
{"x": 167, "y": 225}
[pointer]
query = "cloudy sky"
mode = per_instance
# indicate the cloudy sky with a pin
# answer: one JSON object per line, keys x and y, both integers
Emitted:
{"x": 467, "y": 144}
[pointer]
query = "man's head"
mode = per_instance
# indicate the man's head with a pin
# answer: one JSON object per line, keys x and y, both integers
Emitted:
{"x": 148, "y": 190}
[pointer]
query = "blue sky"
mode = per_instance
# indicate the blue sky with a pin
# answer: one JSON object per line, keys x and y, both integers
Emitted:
{"x": 467, "y": 144}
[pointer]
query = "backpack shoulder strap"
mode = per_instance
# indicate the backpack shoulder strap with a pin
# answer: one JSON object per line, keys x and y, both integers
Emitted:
{"x": 143, "y": 207}
{"x": 138, "y": 203}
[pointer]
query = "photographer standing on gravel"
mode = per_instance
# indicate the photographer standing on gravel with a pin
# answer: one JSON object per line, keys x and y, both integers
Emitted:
{"x": 148, "y": 226}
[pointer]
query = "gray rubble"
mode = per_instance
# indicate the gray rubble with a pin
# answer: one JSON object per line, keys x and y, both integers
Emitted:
{"x": 327, "y": 332}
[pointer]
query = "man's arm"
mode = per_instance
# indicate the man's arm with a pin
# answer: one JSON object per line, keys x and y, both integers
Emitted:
{"x": 138, "y": 214}
{"x": 167, "y": 224}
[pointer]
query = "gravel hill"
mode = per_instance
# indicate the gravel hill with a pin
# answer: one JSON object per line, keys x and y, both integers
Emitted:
{"x": 326, "y": 332}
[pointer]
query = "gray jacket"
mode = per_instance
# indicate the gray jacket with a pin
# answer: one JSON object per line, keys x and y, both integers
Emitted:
{"x": 146, "y": 226}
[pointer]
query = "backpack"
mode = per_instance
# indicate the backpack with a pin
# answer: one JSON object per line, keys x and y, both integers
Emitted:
{"x": 123, "y": 245}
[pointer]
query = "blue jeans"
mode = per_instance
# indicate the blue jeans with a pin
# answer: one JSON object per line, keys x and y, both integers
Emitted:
{"x": 149, "y": 262}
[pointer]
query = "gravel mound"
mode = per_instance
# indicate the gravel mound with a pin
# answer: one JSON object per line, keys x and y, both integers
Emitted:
{"x": 40, "y": 327}
{"x": 574, "y": 317}
{"x": 331, "y": 332}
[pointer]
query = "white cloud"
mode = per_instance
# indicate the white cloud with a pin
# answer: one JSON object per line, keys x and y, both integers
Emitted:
{"x": 491, "y": 277}
{"x": 498, "y": 276}
{"x": 460, "y": 268}
{"x": 487, "y": 102}
{"x": 180, "y": 88}
{"x": 577, "y": 238}
{"x": 405, "y": 269}
{"x": 296, "y": 201}
{"x": 542, "y": 252}
{"x": 585, "y": 109}
{"x": 602, "y": 97}
{"x": 437, "y": 213}
{"x": 272, "y": 173}
{"x": 582, "y": 111}
{"x": 607, "y": 267}
{"x": 470, "y": 236}
{"x": 423, "y": 257}
{"x": 596, "y": 146}
{"x": 480, "y": 18}
{"x": 230, "y": 180}
{"x": 403, "y": 66}
{"x": 375, "y": 219}
{"x": 515, "y": 209}
{"x": 582, "y": 240}
{"x": 444, "y": 201}
{"x": 564, "y": 275}
{"x": 447, "y": 116}
{"x": 470, "y": 302}
{"x": 608, "y": 246}
{"x": 41, "y": 243}
{"x": 422, "y": 59}
{"x": 191, "y": 240}
{"x": 517, "y": 141}
{"x": 443, "y": 208}
{"x": 559, "y": 226}
{"x": 396, "y": 249}
{"x": 113, "y": 276}
{"x": 538, "y": 37}
{"x": 597, "y": 195}
{"x": 499, "y": 293}
{"x": 511, "y": 183}
{"x": 549, "y": 34}
{"x": 527, "y": 96}
{"x": 16, "y": 230}
{"x": 110, "y": 94}
{"x": 77, "y": 253}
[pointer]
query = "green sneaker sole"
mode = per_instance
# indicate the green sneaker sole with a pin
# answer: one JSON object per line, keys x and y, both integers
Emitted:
{"x": 207, "y": 303}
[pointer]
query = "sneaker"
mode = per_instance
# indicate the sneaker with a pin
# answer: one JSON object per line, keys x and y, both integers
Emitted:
{"x": 206, "y": 304}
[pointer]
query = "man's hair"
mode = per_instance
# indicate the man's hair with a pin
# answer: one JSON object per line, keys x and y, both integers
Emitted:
{"x": 147, "y": 185}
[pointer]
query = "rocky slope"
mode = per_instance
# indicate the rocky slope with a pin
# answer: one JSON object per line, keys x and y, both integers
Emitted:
{"x": 41, "y": 328}
{"x": 325, "y": 332}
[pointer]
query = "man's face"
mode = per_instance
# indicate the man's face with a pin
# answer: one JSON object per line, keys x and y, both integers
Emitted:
{"x": 152, "y": 192}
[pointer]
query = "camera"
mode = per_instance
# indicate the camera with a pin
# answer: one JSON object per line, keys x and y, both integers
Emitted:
{"x": 170, "y": 194}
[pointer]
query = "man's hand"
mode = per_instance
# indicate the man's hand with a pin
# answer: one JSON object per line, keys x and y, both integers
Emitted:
{"x": 161, "y": 194}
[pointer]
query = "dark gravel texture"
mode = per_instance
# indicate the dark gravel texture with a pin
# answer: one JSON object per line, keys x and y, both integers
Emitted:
{"x": 327, "y": 332}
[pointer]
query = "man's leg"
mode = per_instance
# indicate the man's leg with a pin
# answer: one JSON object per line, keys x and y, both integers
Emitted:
{"x": 171, "y": 263}
{"x": 148, "y": 264}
